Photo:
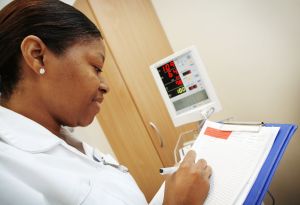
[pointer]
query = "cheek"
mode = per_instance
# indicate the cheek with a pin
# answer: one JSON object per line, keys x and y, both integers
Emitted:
{"x": 87, "y": 109}
{"x": 84, "y": 90}
{"x": 73, "y": 93}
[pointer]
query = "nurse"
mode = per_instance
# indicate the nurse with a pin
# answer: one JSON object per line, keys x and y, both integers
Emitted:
{"x": 51, "y": 59}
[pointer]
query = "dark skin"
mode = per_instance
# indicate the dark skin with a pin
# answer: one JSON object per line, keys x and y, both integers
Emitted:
{"x": 70, "y": 93}
{"x": 191, "y": 182}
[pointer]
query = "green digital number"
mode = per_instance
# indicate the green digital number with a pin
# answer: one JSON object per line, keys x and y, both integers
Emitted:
{"x": 180, "y": 90}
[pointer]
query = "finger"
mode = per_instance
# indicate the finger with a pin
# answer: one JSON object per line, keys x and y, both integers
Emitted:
{"x": 207, "y": 172}
{"x": 189, "y": 158}
{"x": 201, "y": 164}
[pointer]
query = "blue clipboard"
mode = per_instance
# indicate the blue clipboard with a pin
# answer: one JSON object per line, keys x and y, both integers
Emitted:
{"x": 264, "y": 178}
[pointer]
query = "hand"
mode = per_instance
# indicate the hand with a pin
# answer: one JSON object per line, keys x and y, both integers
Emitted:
{"x": 189, "y": 185}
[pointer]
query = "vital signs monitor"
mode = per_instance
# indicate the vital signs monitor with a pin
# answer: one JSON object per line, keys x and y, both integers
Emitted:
{"x": 185, "y": 86}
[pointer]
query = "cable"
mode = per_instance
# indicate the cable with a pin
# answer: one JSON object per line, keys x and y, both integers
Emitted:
{"x": 272, "y": 197}
{"x": 205, "y": 115}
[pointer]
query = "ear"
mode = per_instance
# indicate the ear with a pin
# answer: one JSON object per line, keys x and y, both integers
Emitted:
{"x": 33, "y": 49}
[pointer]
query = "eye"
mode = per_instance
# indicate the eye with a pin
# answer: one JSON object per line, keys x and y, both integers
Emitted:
{"x": 98, "y": 70}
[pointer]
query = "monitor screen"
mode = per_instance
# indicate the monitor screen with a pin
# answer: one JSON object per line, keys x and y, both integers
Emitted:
{"x": 171, "y": 79}
{"x": 184, "y": 85}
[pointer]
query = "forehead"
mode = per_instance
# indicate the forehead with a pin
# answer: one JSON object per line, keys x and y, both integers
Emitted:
{"x": 91, "y": 48}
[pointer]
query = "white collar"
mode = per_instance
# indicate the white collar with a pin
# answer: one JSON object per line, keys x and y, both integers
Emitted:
{"x": 24, "y": 133}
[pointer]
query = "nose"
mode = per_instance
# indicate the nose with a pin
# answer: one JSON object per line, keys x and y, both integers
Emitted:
{"x": 103, "y": 87}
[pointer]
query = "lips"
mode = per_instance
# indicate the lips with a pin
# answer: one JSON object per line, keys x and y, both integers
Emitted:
{"x": 98, "y": 99}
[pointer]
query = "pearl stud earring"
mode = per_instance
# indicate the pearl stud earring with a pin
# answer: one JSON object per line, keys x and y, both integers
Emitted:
{"x": 42, "y": 71}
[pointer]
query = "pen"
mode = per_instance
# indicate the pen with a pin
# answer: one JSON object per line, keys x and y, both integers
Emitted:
{"x": 167, "y": 170}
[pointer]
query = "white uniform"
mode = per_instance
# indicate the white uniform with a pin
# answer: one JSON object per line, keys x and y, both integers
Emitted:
{"x": 37, "y": 167}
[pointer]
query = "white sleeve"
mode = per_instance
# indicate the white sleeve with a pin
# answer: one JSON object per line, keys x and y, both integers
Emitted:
{"x": 159, "y": 196}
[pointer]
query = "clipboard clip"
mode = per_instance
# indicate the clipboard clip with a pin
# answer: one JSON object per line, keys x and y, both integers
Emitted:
{"x": 241, "y": 126}
{"x": 244, "y": 123}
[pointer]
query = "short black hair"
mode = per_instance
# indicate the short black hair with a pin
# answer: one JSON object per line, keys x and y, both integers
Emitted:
{"x": 57, "y": 24}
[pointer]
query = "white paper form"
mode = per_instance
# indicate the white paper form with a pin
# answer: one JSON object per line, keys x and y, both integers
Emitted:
{"x": 236, "y": 161}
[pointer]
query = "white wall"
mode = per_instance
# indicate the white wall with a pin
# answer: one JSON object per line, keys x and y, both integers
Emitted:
{"x": 3, "y": 3}
{"x": 251, "y": 50}
{"x": 71, "y": 2}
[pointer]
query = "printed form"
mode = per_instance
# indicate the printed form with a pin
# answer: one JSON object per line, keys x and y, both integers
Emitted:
{"x": 236, "y": 158}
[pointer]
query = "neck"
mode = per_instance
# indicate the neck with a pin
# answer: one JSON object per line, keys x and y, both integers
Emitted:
{"x": 33, "y": 111}
{"x": 30, "y": 107}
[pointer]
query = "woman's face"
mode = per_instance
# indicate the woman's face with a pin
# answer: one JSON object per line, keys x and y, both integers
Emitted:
{"x": 74, "y": 87}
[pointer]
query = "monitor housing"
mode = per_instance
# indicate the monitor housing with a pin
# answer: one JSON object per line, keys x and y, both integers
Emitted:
{"x": 185, "y": 87}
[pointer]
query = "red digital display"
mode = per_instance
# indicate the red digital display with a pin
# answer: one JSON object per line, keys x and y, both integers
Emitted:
{"x": 171, "y": 79}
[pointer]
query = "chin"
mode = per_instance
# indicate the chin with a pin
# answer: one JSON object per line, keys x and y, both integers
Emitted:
{"x": 85, "y": 122}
